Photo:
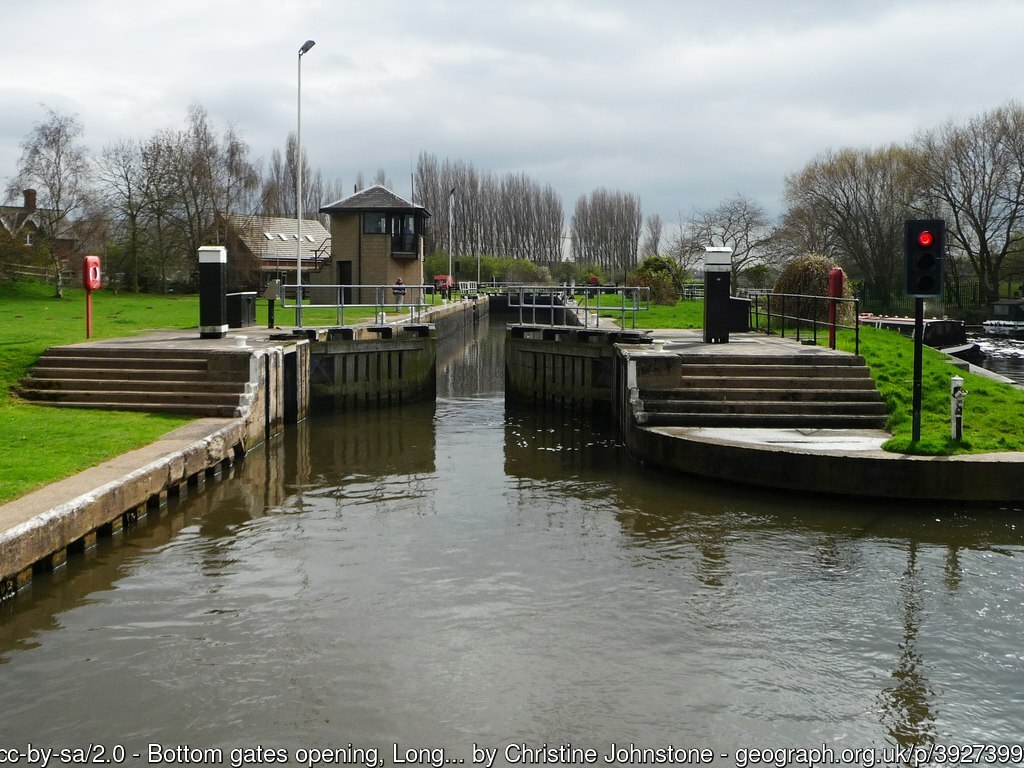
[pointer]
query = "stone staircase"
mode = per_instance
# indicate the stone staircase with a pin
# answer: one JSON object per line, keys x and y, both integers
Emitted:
{"x": 795, "y": 391}
{"x": 195, "y": 383}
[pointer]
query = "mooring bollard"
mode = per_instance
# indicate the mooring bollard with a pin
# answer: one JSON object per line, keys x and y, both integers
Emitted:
{"x": 271, "y": 294}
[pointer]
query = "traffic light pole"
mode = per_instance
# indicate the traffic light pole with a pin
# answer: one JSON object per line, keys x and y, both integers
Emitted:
{"x": 924, "y": 251}
{"x": 918, "y": 340}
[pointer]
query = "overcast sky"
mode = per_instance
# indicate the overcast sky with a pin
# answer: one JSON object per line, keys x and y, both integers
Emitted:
{"x": 683, "y": 103}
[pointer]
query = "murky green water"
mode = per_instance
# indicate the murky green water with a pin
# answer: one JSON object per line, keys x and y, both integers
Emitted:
{"x": 460, "y": 574}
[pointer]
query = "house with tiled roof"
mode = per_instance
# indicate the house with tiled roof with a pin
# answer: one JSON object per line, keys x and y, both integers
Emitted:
{"x": 263, "y": 248}
{"x": 376, "y": 238}
{"x": 22, "y": 221}
{"x": 25, "y": 226}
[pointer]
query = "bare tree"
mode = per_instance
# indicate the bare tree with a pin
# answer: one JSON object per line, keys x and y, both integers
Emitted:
{"x": 56, "y": 164}
{"x": 685, "y": 252}
{"x": 167, "y": 250}
{"x": 738, "y": 223}
{"x": 237, "y": 178}
{"x": 512, "y": 216}
{"x": 804, "y": 229}
{"x": 973, "y": 175}
{"x": 191, "y": 155}
{"x": 279, "y": 187}
{"x": 381, "y": 177}
{"x": 652, "y": 235}
{"x": 120, "y": 171}
{"x": 852, "y": 203}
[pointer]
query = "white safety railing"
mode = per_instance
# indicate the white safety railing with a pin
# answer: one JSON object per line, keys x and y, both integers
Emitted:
{"x": 413, "y": 299}
{"x": 586, "y": 302}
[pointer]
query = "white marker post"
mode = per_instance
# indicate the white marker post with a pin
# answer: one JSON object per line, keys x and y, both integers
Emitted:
{"x": 956, "y": 407}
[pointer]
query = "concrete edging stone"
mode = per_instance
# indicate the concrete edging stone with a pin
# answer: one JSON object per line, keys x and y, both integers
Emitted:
{"x": 42, "y": 524}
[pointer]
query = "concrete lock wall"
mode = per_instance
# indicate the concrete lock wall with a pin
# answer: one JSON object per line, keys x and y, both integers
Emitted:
{"x": 103, "y": 499}
{"x": 372, "y": 372}
{"x": 562, "y": 366}
{"x": 40, "y": 529}
{"x": 382, "y": 366}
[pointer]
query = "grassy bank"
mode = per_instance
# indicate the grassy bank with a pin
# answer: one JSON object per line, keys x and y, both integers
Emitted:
{"x": 993, "y": 418}
{"x": 40, "y": 444}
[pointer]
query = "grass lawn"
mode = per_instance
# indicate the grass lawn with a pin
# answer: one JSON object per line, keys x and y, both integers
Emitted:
{"x": 684, "y": 314}
{"x": 40, "y": 444}
{"x": 993, "y": 418}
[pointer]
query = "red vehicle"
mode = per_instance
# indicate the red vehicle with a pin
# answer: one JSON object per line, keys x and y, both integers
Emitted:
{"x": 444, "y": 284}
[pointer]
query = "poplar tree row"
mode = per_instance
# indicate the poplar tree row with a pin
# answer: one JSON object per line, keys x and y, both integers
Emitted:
{"x": 606, "y": 230}
{"x": 479, "y": 213}
{"x": 474, "y": 213}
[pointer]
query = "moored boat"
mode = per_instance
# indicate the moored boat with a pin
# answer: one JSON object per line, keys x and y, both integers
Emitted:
{"x": 945, "y": 335}
{"x": 1006, "y": 319}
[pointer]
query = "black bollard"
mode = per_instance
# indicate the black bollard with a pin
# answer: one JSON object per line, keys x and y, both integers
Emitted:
{"x": 271, "y": 293}
{"x": 717, "y": 292}
{"x": 213, "y": 280}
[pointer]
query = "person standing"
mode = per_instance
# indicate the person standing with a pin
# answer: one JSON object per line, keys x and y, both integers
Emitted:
{"x": 398, "y": 289}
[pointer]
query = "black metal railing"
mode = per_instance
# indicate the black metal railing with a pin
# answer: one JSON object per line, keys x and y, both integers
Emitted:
{"x": 405, "y": 244}
{"x": 804, "y": 315}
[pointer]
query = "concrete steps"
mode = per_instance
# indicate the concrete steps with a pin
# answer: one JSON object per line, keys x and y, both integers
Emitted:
{"x": 137, "y": 380}
{"x": 797, "y": 391}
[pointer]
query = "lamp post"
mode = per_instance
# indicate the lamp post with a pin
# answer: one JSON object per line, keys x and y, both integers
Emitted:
{"x": 298, "y": 191}
{"x": 451, "y": 242}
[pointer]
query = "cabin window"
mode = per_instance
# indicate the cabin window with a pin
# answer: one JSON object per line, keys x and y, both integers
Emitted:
{"x": 374, "y": 223}
{"x": 1001, "y": 310}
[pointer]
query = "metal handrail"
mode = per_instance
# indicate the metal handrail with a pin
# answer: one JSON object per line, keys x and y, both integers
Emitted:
{"x": 414, "y": 299}
{"x": 802, "y": 302}
{"x": 562, "y": 296}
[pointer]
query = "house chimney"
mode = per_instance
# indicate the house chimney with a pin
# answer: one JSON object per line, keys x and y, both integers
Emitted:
{"x": 30, "y": 200}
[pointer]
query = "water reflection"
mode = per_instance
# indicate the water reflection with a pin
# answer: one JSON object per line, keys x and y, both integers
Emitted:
{"x": 1002, "y": 355}
{"x": 472, "y": 361}
{"x": 470, "y": 572}
{"x": 907, "y": 703}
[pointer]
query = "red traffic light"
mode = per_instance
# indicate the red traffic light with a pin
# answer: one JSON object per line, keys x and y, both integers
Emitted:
{"x": 924, "y": 243}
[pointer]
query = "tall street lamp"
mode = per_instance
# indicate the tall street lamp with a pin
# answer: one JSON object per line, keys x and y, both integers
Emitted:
{"x": 298, "y": 191}
{"x": 451, "y": 242}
